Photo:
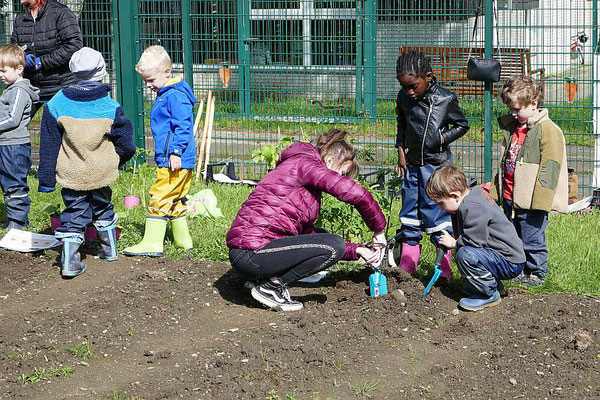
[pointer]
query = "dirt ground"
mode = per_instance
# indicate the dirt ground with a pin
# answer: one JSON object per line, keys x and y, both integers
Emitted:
{"x": 164, "y": 329}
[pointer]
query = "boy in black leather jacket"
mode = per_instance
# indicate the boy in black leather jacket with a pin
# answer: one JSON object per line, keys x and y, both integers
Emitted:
{"x": 429, "y": 119}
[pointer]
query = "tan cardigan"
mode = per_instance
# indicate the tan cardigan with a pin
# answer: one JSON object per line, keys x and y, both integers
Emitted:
{"x": 541, "y": 177}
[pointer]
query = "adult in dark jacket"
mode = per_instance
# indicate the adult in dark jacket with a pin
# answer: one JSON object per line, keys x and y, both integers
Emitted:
{"x": 273, "y": 239}
{"x": 51, "y": 34}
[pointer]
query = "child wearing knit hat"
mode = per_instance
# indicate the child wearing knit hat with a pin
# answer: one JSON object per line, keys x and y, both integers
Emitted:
{"x": 85, "y": 138}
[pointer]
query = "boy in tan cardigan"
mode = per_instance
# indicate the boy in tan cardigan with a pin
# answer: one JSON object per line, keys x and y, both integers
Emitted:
{"x": 85, "y": 137}
{"x": 532, "y": 180}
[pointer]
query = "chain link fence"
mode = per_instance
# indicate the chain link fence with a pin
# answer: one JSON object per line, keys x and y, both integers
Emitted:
{"x": 299, "y": 67}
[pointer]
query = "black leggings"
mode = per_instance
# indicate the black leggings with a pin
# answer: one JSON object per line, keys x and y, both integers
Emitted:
{"x": 289, "y": 259}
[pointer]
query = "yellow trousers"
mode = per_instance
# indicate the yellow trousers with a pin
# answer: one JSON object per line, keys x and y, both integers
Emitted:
{"x": 168, "y": 191}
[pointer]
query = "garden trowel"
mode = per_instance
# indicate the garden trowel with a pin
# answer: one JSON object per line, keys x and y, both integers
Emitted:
{"x": 437, "y": 270}
{"x": 377, "y": 283}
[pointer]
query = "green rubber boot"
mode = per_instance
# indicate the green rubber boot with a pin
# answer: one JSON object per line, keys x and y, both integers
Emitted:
{"x": 152, "y": 243}
{"x": 181, "y": 233}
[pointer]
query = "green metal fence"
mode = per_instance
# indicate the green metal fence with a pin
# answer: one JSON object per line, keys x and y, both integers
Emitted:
{"x": 299, "y": 67}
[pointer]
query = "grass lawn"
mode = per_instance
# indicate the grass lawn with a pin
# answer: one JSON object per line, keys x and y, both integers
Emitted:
{"x": 573, "y": 240}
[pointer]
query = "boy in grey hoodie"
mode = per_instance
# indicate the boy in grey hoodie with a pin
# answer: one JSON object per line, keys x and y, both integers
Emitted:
{"x": 489, "y": 248}
{"x": 15, "y": 146}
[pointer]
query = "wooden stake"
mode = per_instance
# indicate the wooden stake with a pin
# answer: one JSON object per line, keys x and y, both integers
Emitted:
{"x": 197, "y": 122}
{"x": 209, "y": 138}
{"x": 203, "y": 140}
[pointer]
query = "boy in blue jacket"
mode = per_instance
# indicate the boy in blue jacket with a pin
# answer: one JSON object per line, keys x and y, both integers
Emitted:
{"x": 85, "y": 137}
{"x": 172, "y": 122}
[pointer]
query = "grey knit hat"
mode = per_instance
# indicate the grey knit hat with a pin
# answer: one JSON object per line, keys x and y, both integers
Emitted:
{"x": 87, "y": 64}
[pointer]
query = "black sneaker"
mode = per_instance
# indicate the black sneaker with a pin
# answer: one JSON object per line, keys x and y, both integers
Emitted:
{"x": 535, "y": 281}
{"x": 521, "y": 279}
{"x": 275, "y": 295}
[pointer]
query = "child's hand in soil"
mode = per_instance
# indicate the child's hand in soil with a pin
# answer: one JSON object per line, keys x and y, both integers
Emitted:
{"x": 447, "y": 240}
{"x": 174, "y": 162}
{"x": 371, "y": 256}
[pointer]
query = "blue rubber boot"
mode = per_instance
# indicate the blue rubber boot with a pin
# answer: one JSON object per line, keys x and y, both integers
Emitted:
{"x": 70, "y": 260}
{"x": 479, "y": 301}
{"x": 107, "y": 235}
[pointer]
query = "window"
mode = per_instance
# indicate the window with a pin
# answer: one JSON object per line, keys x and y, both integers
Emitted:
{"x": 318, "y": 32}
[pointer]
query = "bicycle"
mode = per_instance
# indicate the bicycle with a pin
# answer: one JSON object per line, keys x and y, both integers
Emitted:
{"x": 577, "y": 42}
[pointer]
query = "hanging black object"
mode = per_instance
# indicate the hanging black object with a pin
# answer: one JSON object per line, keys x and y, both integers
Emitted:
{"x": 483, "y": 69}
{"x": 479, "y": 68}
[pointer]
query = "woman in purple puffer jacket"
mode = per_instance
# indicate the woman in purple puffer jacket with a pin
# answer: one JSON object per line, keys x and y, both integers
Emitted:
{"x": 273, "y": 240}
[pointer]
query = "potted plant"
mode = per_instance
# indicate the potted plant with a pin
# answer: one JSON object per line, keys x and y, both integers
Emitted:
{"x": 131, "y": 200}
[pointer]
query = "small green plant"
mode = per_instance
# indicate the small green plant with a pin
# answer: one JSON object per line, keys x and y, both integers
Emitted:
{"x": 174, "y": 278}
{"x": 34, "y": 377}
{"x": 23, "y": 356}
{"x": 272, "y": 395}
{"x": 414, "y": 353}
{"x": 269, "y": 153}
{"x": 337, "y": 364}
{"x": 365, "y": 389}
{"x": 137, "y": 160}
{"x": 84, "y": 350}
{"x": 121, "y": 396}
{"x": 40, "y": 373}
{"x": 132, "y": 331}
{"x": 52, "y": 210}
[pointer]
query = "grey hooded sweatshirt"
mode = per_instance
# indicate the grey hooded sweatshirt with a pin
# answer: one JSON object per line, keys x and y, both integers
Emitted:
{"x": 15, "y": 112}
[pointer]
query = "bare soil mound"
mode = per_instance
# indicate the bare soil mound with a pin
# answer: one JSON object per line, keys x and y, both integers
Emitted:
{"x": 164, "y": 329}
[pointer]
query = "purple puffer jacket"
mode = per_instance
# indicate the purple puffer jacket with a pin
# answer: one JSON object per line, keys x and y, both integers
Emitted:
{"x": 287, "y": 201}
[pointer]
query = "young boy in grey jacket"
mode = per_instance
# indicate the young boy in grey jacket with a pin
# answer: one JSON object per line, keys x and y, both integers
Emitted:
{"x": 15, "y": 146}
{"x": 489, "y": 248}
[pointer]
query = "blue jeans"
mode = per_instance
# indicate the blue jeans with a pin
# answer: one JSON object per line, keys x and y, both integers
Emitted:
{"x": 15, "y": 162}
{"x": 531, "y": 228}
{"x": 85, "y": 207}
{"x": 483, "y": 268}
{"x": 419, "y": 212}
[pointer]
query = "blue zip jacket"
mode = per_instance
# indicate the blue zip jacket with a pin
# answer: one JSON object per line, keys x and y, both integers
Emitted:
{"x": 172, "y": 123}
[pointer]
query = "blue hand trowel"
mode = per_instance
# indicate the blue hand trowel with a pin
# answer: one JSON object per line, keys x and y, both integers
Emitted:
{"x": 377, "y": 283}
{"x": 437, "y": 269}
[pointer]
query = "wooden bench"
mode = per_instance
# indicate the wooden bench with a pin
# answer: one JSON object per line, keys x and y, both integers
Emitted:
{"x": 449, "y": 65}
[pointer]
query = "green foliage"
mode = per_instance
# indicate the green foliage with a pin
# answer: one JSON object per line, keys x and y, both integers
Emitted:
{"x": 366, "y": 388}
{"x": 41, "y": 373}
{"x": 121, "y": 396}
{"x": 572, "y": 239}
{"x": 269, "y": 153}
{"x": 83, "y": 350}
{"x": 342, "y": 219}
{"x": 52, "y": 210}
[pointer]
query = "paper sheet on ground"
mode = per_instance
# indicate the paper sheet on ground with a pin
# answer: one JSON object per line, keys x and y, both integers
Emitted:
{"x": 580, "y": 205}
{"x": 27, "y": 242}
{"x": 222, "y": 178}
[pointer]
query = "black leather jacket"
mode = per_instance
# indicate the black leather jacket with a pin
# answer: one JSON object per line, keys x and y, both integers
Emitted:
{"x": 422, "y": 123}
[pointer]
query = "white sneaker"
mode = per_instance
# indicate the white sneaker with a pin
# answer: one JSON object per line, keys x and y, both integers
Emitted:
{"x": 275, "y": 296}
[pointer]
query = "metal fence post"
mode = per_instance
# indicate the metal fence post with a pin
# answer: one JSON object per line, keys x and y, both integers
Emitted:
{"x": 370, "y": 55}
{"x": 488, "y": 96}
{"x": 244, "y": 56}
{"x": 359, "y": 57}
{"x": 127, "y": 35}
{"x": 186, "y": 28}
